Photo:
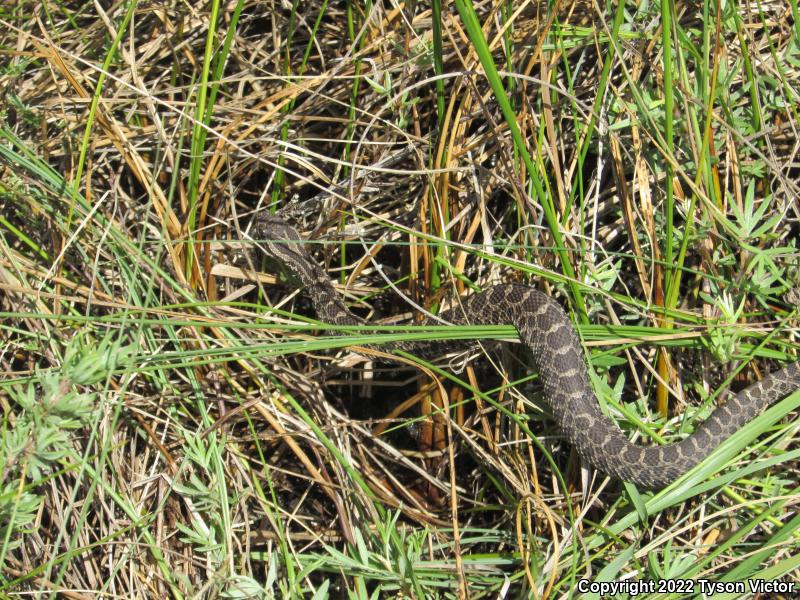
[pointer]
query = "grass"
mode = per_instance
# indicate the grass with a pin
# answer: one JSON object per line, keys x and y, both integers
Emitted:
{"x": 177, "y": 424}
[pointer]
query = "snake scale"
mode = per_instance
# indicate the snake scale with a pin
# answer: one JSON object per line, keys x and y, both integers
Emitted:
{"x": 544, "y": 327}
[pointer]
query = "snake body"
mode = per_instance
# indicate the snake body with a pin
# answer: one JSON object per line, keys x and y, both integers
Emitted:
{"x": 544, "y": 327}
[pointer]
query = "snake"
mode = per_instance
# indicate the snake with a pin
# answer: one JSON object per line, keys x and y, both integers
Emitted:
{"x": 544, "y": 327}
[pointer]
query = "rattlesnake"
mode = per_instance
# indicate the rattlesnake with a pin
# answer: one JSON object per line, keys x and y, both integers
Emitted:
{"x": 544, "y": 327}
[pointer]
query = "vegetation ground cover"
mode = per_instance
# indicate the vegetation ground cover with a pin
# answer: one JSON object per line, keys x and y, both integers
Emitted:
{"x": 177, "y": 424}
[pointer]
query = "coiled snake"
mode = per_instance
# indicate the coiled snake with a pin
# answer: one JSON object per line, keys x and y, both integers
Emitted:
{"x": 544, "y": 327}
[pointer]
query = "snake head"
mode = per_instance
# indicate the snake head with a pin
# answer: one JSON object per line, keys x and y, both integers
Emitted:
{"x": 283, "y": 247}
{"x": 271, "y": 227}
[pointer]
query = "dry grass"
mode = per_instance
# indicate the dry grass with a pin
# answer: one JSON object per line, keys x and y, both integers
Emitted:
{"x": 174, "y": 425}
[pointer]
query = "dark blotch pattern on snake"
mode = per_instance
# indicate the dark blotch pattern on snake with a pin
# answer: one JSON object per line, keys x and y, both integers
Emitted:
{"x": 544, "y": 327}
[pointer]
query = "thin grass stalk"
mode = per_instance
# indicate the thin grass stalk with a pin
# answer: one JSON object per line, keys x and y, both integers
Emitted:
{"x": 473, "y": 27}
